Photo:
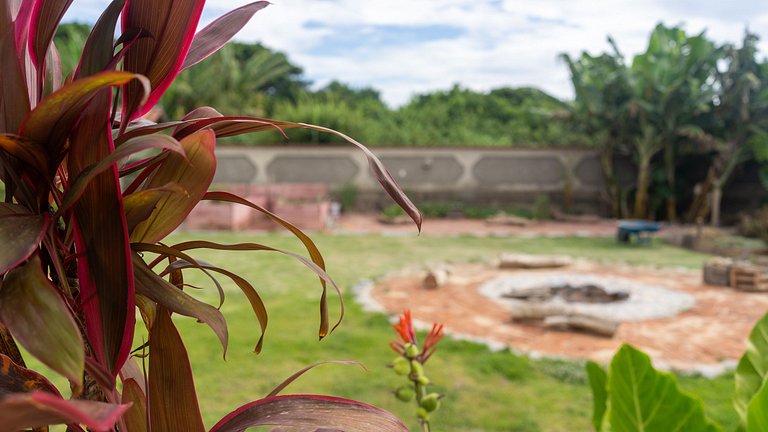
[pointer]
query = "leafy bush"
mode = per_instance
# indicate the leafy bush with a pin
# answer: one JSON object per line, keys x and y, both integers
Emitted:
{"x": 82, "y": 252}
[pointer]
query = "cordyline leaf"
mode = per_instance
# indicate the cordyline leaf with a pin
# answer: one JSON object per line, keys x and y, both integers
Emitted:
{"x": 51, "y": 122}
{"x": 132, "y": 371}
{"x": 295, "y": 376}
{"x": 46, "y": 16}
{"x": 193, "y": 173}
{"x": 229, "y": 126}
{"x": 53, "y": 71}
{"x": 104, "y": 265}
{"x": 40, "y": 321}
{"x": 14, "y": 97}
{"x": 25, "y": 150}
{"x": 598, "y": 380}
{"x": 314, "y": 252}
{"x": 136, "y": 417}
{"x": 752, "y": 370}
{"x": 20, "y": 234}
{"x": 248, "y": 290}
{"x": 208, "y": 40}
{"x": 310, "y": 413}
{"x": 29, "y": 410}
{"x": 164, "y": 293}
{"x": 172, "y": 24}
{"x": 172, "y": 398}
{"x": 644, "y": 399}
{"x": 130, "y": 147}
{"x": 140, "y": 205}
{"x": 99, "y": 49}
{"x": 17, "y": 379}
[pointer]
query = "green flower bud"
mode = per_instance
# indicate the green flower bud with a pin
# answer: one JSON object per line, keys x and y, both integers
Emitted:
{"x": 411, "y": 350}
{"x": 405, "y": 393}
{"x": 417, "y": 368}
{"x": 423, "y": 380}
{"x": 423, "y": 414}
{"x": 430, "y": 402}
{"x": 401, "y": 366}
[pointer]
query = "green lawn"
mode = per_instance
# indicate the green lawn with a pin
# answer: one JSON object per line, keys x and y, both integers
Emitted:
{"x": 487, "y": 391}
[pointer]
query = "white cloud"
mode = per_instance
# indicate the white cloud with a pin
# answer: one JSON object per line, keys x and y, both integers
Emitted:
{"x": 501, "y": 43}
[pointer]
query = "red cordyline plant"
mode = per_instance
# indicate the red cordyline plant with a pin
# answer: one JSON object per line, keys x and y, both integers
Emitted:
{"x": 410, "y": 364}
{"x": 78, "y": 217}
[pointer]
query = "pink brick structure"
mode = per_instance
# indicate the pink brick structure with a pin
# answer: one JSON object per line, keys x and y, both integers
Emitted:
{"x": 304, "y": 205}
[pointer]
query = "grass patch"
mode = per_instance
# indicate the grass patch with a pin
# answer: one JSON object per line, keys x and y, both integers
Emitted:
{"x": 487, "y": 391}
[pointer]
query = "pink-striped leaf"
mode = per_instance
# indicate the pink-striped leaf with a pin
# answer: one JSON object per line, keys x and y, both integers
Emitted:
{"x": 174, "y": 299}
{"x": 104, "y": 262}
{"x": 40, "y": 321}
{"x": 172, "y": 24}
{"x": 26, "y": 150}
{"x": 208, "y": 40}
{"x": 17, "y": 379}
{"x": 140, "y": 205}
{"x": 193, "y": 173}
{"x": 46, "y": 16}
{"x": 29, "y": 410}
{"x": 20, "y": 234}
{"x": 133, "y": 146}
{"x": 99, "y": 49}
{"x": 310, "y": 413}
{"x": 52, "y": 121}
{"x": 172, "y": 398}
{"x": 14, "y": 96}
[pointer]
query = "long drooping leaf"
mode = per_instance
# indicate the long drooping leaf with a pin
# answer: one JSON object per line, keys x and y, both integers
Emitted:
{"x": 229, "y": 126}
{"x": 136, "y": 416}
{"x": 172, "y": 397}
{"x": 14, "y": 96}
{"x": 193, "y": 173}
{"x": 208, "y": 40}
{"x": 314, "y": 252}
{"x": 598, "y": 380}
{"x": 17, "y": 379}
{"x": 99, "y": 49}
{"x": 29, "y": 410}
{"x": 51, "y": 122}
{"x": 20, "y": 234}
{"x": 643, "y": 399}
{"x": 310, "y": 413}
{"x": 40, "y": 321}
{"x": 172, "y": 24}
{"x": 161, "y": 291}
{"x": 104, "y": 265}
{"x": 46, "y": 16}
{"x": 130, "y": 147}
{"x": 752, "y": 370}
{"x": 280, "y": 387}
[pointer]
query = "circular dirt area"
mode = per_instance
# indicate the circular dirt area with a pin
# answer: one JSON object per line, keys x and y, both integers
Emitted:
{"x": 705, "y": 327}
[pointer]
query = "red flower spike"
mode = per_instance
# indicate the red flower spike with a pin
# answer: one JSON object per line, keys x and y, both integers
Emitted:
{"x": 405, "y": 328}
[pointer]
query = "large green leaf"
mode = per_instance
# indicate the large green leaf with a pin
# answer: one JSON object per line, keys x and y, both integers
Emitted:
{"x": 193, "y": 173}
{"x": 20, "y": 234}
{"x": 598, "y": 381}
{"x": 757, "y": 411}
{"x": 310, "y": 413}
{"x": 752, "y": 369}
{"x": 172, "y": 398}
{"x": 643, "y": 399}
{"x": 40, "y": 321}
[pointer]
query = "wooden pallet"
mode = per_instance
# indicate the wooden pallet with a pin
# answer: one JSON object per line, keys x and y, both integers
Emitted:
{"x": 748, "y": 279}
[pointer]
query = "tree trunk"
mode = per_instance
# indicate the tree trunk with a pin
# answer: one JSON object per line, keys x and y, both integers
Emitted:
{"x": 717, "y": 196}
{"x": 643, "y": 180}
{"x": 611, "y": 185}
{"x": 669, "y": 164}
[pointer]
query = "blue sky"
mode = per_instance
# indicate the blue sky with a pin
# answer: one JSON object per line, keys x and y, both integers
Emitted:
{"x": 405, "y": 47}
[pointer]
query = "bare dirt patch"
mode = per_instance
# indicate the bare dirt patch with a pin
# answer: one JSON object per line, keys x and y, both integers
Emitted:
{"x": 708, "y": 336}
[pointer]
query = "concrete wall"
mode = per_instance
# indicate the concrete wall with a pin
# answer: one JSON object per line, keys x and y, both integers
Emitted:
{"x": 475, "y": 176}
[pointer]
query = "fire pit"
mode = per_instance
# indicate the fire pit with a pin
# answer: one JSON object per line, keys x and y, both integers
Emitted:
{"x": 613, "y": 298}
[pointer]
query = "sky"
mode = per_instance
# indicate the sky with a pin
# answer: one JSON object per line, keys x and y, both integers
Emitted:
{"x": 407, "y": 47}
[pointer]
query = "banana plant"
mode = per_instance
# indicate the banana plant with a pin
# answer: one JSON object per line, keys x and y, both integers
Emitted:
{"x": 90, "y": 187}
